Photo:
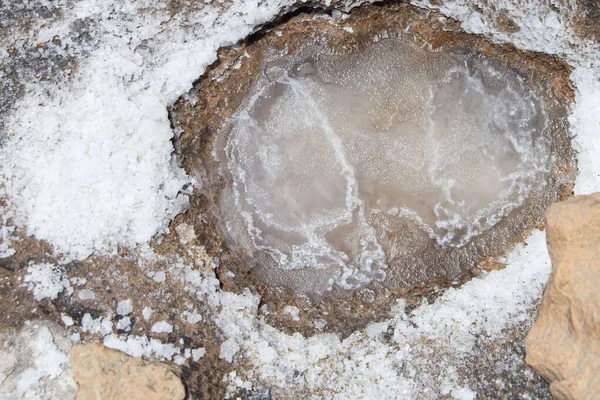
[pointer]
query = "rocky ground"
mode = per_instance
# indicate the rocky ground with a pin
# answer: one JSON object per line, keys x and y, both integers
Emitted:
{"x": 181, "y": 298}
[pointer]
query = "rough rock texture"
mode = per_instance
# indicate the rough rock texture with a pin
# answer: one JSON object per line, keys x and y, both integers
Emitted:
{"x": 587, "y": 17}
{"x": 105, "y": 374}
{"x": 564, "y": 344}
{"x": 34, "y": 362}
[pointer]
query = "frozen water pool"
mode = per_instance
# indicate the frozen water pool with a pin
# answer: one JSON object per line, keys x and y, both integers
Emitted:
{"x": 357, "y": 161}
{"x": 332, "y": 152}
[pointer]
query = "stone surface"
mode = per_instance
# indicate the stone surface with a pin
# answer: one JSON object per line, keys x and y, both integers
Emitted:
{"x": 34, "y": 362}
{"x": 105, "y": 374}
{"x": 564, "y": 344}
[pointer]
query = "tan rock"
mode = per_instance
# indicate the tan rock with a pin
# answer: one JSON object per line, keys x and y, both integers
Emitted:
{"x": 105, "y": 374}
{"x": 564, "y": 344}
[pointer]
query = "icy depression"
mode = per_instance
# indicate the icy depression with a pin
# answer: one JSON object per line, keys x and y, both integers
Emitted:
{"x": 368, "y": 159}
{"x": 333, "y": 153}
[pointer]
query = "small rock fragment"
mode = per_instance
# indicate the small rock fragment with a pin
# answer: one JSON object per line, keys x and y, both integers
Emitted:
{"x": 105, "y": 374}
{"x": 564, "y": 344}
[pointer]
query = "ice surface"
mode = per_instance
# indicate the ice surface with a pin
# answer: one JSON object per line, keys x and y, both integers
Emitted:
{"x": 330, "y": 148}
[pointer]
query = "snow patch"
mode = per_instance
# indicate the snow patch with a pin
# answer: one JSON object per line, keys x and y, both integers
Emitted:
{"x": 198, "y": 353}
{"x": 124, "y": 324}
{"x": 147, "y": 313}
{"x": 141, "y": 346}
{"x": 46, "y": 281}
{"x": 125, "y": 307}
{"x": 88, "y": 164}
{"x": 162, "y": 327}
{"x": 100, "y": 325}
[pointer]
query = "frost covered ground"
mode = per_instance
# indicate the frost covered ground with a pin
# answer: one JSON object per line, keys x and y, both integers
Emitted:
{"x": 86, "y": 165}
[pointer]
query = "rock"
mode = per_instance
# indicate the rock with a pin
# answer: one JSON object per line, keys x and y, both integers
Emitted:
{"x": 564, "y": 344}
{"x": 105, "y": 374}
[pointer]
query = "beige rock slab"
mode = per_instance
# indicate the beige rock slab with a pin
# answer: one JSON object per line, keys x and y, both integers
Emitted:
{"x": 105, "y": 374}
{"x": 564, "y": 344}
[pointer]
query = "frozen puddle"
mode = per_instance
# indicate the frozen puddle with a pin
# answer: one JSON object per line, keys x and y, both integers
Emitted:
{"x": 333, "y": 152}
{"x": 372, "y": 156}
